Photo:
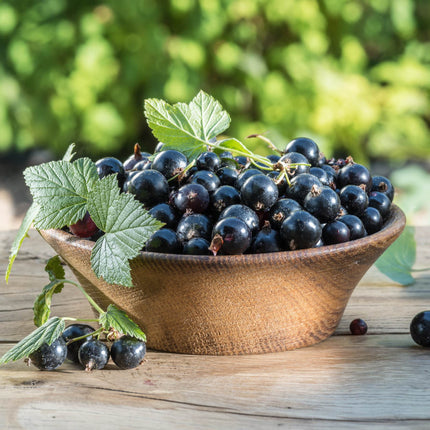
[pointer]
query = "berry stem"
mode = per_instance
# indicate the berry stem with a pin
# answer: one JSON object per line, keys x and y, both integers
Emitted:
{"x": 266, "y": 140}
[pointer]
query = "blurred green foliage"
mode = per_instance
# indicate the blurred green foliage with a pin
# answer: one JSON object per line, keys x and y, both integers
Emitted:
{"x": 353, "y": 74}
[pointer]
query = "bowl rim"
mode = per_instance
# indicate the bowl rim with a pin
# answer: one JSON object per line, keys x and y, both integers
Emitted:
{"x": 392, "y": 228}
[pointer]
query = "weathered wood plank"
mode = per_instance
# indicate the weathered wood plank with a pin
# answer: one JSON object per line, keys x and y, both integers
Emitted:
{"x": 348, "y": 380}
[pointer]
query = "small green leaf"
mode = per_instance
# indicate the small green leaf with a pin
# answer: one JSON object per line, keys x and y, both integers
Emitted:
{"x": 21, "y": 235}
{"x": 61, "y": 188}
{"x": 55, "y": 269}
{"x": 47, "y": 333}
{"x": 68, "y": 156}
{"x": 127, "y": 227}
{"x": 397, "y": 261}
{"x": 42, "y": 304}
{"x": 120, "y": 321}
{"x": 187, "y": 128}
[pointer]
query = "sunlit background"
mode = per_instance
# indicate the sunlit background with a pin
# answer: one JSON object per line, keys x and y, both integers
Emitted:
{"x": 353, "y": 75}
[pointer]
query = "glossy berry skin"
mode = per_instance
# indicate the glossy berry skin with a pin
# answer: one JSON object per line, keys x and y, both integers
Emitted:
{"x": 322, "y": 175}
{"x": 164, "y": 240}
{"x": 306, "y": 147}
{"x": 150, "y": 187}
{"x": 259, "y": 193}
{"x": 165, "y": 213}
{"x": 323, "y": 203}
{"x": 227, "y": 175}
{"x": 383, "y": 185}
{"x": 193, "y": 197}
{"x": 354, "y": 174}
{"x": 245, "y": 175}
{"x": 358, "y": 327}
{"x": 300, "y": 230}
{"x": 301, "y": 185}
{"x": 282, "y": 184}
{"x": 110, "y": 166}
{"x": 266, "y": 240}
{"x": 73, "y": 331}
{"x": 192, "y": 226}
{"x": 93, "y": 355}
{"x": 128, "y": 352}
{"x": 335, "y": 232}
{"x": 49, "y": 357}
{"x": 208, "y": 161}
{"x": 273, "y": 158}
{"x": 235, "y": 234}
{"x": 372, "y": 220}
{"x": 85, "y": 227}
{"x": 354, "y": 199}
{"x": 293, "y": 158}
{"x": 381, "y": 202}
{"x": 244, "y": 213}
{"x": 355, "y": 225}
{"x": 207, "y": 179}
{"x": 169, "y": 163}
{"x": 196, "y": 246}
{"x": 281, "y": 210}
{"x": 222, "y": 197}
{"x": 420, "y": 328}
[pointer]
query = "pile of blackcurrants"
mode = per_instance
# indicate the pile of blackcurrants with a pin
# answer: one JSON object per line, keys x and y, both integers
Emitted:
{"x": 79, "y": 346}
{"x": 225, "y": 204}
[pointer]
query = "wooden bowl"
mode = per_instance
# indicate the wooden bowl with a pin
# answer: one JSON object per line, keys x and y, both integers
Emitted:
{"x": 242, "y": 304}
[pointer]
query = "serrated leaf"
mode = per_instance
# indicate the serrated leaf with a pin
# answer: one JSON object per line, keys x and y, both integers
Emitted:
{"x": 69, "y": 154}
{"x": 20, "y": 236}
{"x": 120, "y": 321}
{"x": 187, "y": 128}
{"x": 42, "y": 304}
{"x": 61, "y": 188}
{"x": 55, "y": 269}
{"x": 233, "y": 145}
{"x": 47, "y": 333}
{"x": 127, "y": 227}
{"x": 397, "y": 261}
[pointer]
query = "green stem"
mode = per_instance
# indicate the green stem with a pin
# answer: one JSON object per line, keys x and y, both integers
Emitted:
{"x": 266, "y": 140}
{"x": 94, "y": 333}
{"x": 92, "y": 302}
{"x": 420, "y": 270}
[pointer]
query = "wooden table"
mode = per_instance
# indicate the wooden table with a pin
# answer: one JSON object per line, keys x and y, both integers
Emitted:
{"x": 380, "y": 380}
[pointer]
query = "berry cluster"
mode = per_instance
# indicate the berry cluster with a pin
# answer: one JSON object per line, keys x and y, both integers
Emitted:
{"x": 226, "y": 204}
{"x": 78, "y": 345}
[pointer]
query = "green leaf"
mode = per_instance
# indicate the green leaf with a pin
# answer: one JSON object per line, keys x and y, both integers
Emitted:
{"x": 120, "y": 321}
{"x": 47, "y": 333}
{"x": 21, "y": 235}
{"x": 61, "y": 188}
{"x": 127, "y": 227}
{"x": 55, "y": 269}
{"x": 69, "y": 154}
{"x": 42, "y": 304}
{"x": 187, "y": 127}
{"x": 397, "y": 261}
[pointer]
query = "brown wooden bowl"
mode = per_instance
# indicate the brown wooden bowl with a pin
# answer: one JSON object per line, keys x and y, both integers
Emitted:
{"x": 242, "y": 304}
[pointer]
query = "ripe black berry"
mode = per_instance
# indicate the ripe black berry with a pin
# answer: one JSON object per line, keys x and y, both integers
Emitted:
{"x": 281, "y": 210}
{"x": 84, "y": 227}
{"x": 193, "y": 197}
{"x": 208, "y": 179}
{"x": 150, "y": 187}
{"x": 354, "y": 174}
{"x": 296, "y": 163}
{"x": 358, "y": 327}
{"x": 165, "y": 213}
{"x": 323, "y": 203}
{"x": 383, "y": 185}
{"x": 93, "y": 354}
{"x": 372, "y": 220}
{"x": 73, "y": 331}
{"x": 128, "y": 352}
{"x": 49, "y": 357}
{"x": 267, "y": 240}
{"x": 192, "y": 226}
{"x": 259, "y": 192}
{"x": 208, "y": 161}
{"x": 355, "y": 225}
{"x": 335, "y": 232}
{"x": 245, "y": 175}
{"x": 227, "y": 175}
{"x": 109, "y": 166}
{"x": 381, "y": 202}
{"x": 301, "y": 185}
{"x": 354, "y": 199}
{"x": 420, "y": 328}
{"x": 222, "y": 197}
{"x": 244, "y": 213}
{"x": 164, "y": 240}
{"x": 305, "y": 146}
{"x": 197, "y": 246}
{"x": 169, "y": 163}
{"x": 300, "y": 230}
{"x": 230, "y": 236}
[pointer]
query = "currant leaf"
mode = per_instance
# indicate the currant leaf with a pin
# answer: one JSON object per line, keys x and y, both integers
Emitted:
{"x": 117, "y": 319}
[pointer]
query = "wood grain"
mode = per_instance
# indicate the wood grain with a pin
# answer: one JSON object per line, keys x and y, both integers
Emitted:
{"x": 376, "y": 381}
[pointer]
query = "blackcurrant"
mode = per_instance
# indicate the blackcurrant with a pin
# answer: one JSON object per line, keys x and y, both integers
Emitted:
{"x": 207, "y": 179}
{"x": 245, "y": 175}
{"x": 227, "y": 175}
{"x": 295, "y": 163}
{"x": 358, "y": 327}
{"x": 164, "y": 240}
{"x": 335, "y": 232}
{"x": 372, "y": 220}
{"x": 381, "y": 202}
{"x": 230, "y": 236}
{"x": 110, "y": 166}
{"x": 267, "y": 240}
{"x": 305, "y": 146}
{"x": 208, "y": 161}
{"x": 150, "y": 187}
{"x": 169, "y": 163}
{"x": 197, "y": 246}
{"x": 222, "y": 197}
{"x": 128, "y": 352}
{"x": 301, "y": 185}
{"x": 420, "y": 328}
{"x": 244, "y": 213}
{"x": 281, "y": 210}
{"x": 73, "y": 331}
{"x": 49, "y": 357}
{"x": 383, "y": 185}
{"x": 85, "y": 227}
{"x": 192, "y": 226}
{"x": 355, "y": 225}
{"x": 323, "y": 203}
{"x": 193, "y": 197}
{"x": 354, "y": 174}
{"x": 259, "y": 192}
{"x": 165, "y": 213}
{"x": 300, "y": 230}
{"x": 93, "y": 354}
{"x": 354, "y": 199}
